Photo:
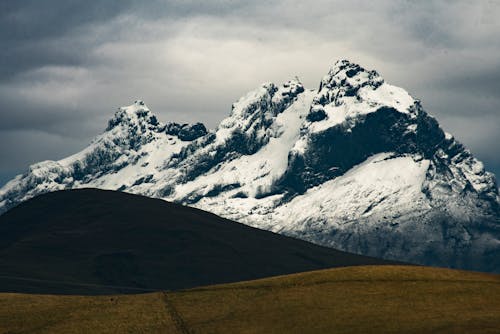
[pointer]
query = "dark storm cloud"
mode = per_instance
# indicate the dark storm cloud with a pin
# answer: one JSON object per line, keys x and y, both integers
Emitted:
{"x": 34, "y": 31}
{"x": 54, "y": 32}
{"x": 24, "y": 20}
{"x": 66, "y": 65}
{"x": 55, "y": 43}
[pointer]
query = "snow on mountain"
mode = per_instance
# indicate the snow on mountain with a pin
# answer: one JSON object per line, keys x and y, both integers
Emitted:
{"x": 356, "y": 164}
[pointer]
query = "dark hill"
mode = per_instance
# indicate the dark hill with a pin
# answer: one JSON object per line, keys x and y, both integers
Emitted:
{"x": 93, "y": 241}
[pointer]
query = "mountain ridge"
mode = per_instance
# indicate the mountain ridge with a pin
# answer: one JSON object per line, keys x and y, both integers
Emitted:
{"x": 356, "y": 164}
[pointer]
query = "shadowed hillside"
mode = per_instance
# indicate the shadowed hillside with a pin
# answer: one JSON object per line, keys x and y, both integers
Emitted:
{"x": 92, "y": 241}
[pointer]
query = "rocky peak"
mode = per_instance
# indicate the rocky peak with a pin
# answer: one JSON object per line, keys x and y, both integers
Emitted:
{"x": 349, "y": 92}
{"x": 134, "y": 115}
{"x": 346, "y": 73}
{"x": 345, "y": 79}
{"x": 286, "y": 94}
{"x": 256, "y": 111}
{"x": 267, "y": 101}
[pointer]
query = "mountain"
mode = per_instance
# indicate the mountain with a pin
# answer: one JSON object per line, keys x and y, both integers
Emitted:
{"x": 356, "y": 164}
{"x": 91, "y": 241}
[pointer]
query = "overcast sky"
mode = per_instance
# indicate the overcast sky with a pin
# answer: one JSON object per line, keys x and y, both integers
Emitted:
{"x": 65, "y": 66}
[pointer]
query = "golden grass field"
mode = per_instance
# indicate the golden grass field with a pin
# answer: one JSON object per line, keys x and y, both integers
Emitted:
{"x": 367, "y": 299}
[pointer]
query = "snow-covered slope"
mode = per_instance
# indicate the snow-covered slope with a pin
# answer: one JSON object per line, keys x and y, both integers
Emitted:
{"x": 356, "y": 164}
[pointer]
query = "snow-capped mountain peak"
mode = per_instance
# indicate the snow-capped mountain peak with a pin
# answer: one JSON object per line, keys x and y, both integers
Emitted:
{"x": 349, "y": 91}
{"x": 137, "y": 113}
{"x": 356, "y": 164}
{"x": 345, "y": 73}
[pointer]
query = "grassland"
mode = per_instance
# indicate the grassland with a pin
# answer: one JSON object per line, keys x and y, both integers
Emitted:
{"x": 368, "y": 299}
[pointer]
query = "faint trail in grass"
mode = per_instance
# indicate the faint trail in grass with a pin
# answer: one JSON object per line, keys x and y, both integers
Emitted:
{"x": 176, "y": 318}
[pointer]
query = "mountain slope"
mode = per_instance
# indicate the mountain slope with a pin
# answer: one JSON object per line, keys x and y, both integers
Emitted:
{"x": 94, "y": 241}
{"x": 356, "y": 164}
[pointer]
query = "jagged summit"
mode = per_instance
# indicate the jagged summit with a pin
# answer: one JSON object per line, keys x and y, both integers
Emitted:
{"x": 138, "y": 119}
{"x": 137, "y": 105}
{"x": 137, "y": 113}
{"x": 267, "y": 98}
{"x": 357, "y": 164}
{"x": 348, "y": 91}
{"x": 344, "y": 72}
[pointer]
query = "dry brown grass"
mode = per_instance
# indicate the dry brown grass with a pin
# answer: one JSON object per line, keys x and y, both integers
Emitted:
{"x": 23, "y": 313}
{"x": 370, "y": 299}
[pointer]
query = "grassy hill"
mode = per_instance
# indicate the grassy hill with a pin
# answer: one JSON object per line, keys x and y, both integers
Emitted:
{"x": 365, "y": 299}
{"x": 93, "y": 241}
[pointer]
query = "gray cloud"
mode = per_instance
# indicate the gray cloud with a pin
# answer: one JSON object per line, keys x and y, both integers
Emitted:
{"x": 67, "y": 65}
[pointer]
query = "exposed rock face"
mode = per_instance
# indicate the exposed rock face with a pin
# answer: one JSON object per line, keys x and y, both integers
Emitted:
{"x": 186, "y": 132}
{"x": 357, "y": 165}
